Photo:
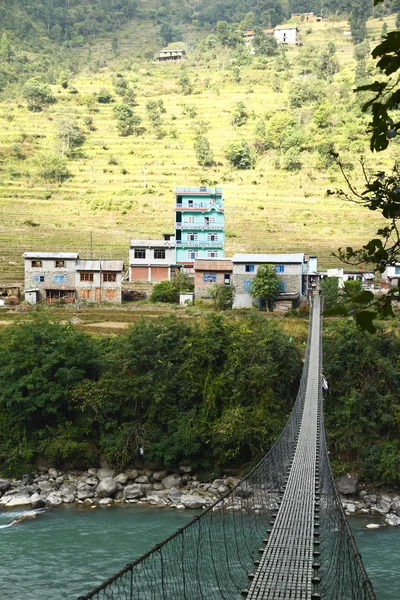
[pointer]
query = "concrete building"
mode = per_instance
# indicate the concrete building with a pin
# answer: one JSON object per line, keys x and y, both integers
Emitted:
{"x": 168, "y": 54}
{"x": 199, "y": 225}
{"x": 152, "y": 260}
{"x": 50, "y": 276}
{"x": 309, "y": 17}
{"x": 99, "y": 280}
{"x": 366, "y": 278}
{"x": 287, "y": 34}
{"x": 290, "y": 269}
{"x": 391, "y": 275}
{"x": 208, "y": 272}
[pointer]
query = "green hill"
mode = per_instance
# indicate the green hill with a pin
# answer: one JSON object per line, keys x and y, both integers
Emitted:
{"x": 296, "y": 105}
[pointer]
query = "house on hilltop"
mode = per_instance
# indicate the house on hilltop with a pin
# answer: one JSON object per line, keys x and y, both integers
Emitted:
{"x": 171, "y": 54}
{"x": 287, "y": 34}
{"x": 309, "y": 17}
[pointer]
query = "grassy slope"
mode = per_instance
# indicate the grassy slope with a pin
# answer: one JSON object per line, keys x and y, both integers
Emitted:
{"x": 267, "y": 210}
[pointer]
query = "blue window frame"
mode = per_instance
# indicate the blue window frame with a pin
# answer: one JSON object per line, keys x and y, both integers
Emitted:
{"x": 283, "y": 288}
{"x": 247, "y": 285}
{"x": 397, "y": 270}
{"x": 39, "y": 278}
{"x": 280, "y": 268}
{"x": 59, "y": 278}
{"x": 249, "y": 268}
{"x": 209, "y": 278}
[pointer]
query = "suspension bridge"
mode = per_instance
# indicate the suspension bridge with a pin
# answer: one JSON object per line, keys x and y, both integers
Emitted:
{"x": 280, "y": 534}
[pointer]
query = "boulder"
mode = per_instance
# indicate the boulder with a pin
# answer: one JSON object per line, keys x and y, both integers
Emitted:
{"x": 157, "y": 487}
{"x": 27, "y": 479}
{"x": 132, "y": 473}
{"x": 53, "y": 473}
{"x": 347, "y": 484}
{"x": 84, "y": 491}
{"x": 106, "y": 488}
{"x": 91, "y": 480}
{"x": 4, "y": 485}
{"x": 121, "y": 478}
{"x": 373, "y": 526}
{"x": 362, "y": 494}
{"x": 22, "y": 500}
{"x": 174, "y": 494}
{"x": 392, "y": 520}
{"x": 194, "y": 501}
{"x": 244, "y": 491}
{"x": 105, "y": 473}
{"x": 142, "y": 479}
{"x": 171, "y": 481}
{"x": 222, "y": 489}
{"x": 54, "y": 499}
{"x": 106, "y": 501}
{"x": 37, "y": 501}
{"x": 67, "y": 494}
{"x": 92, "y": 471}
{"x": 185, "y": 469}
{"x": 156, "y": 499}
{"x": 396, "y": 508}
{"x": 133, "y": 491}
{"x": 385, "y": 503}
{"x": 350, "y": 507}
{"x": 45, "y": 486}
{"x": 159, "y": 475}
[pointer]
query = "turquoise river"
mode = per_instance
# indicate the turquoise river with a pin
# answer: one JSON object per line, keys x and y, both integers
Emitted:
{"x": 67, "y": 551}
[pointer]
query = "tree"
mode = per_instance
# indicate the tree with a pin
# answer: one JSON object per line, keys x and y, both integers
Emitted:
{"x": 37, "y": 94}
{"x": 104, "y": 96}
{"x": 185, "y": 83}
{"x": 69, "y": 134}
{"x": 204, "y": 154}
{"x": 351, "y": 289}
{"x": 240, "y": 155}
{"x": 265, "y": 45}
{"x": 266, "y": 285}
{"x": 240, "y": 114}
{"x": 165, "y": 291}
{"x": 359, "y": 11}
{"x": 330, "y": 290}
{"x": 222, "y": 296}
{"x": 127, "y": 122}
{"x": 52, "y": 167}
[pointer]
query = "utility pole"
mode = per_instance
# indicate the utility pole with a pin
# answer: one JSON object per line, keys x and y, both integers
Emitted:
{"x": 91, "y": 245}
{"x": 144, "y": 176}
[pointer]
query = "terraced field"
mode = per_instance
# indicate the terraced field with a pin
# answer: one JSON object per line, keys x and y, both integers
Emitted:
{"x": 268, "y": 209}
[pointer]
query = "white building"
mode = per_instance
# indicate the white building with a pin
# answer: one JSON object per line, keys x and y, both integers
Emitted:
{"x": 391, "y": 275}
{"x": 287, "y": 34}
{"x": 152, "y": 260}
{"x": 366, "y": 278}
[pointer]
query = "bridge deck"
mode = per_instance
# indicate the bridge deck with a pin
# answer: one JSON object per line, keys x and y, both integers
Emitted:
{"x": 286, "y": 570}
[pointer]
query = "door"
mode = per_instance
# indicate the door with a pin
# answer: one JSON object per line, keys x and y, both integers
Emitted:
{"x": 98, "y": 294}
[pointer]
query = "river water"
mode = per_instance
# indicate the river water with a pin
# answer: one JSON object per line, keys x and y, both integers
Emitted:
{"x": 68, "y": 551}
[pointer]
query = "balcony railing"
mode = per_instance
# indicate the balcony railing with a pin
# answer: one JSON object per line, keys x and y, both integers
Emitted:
{"x": 200, "y": 244}
{"x": 206, "y": 205}
{"x": 185, "y": 225}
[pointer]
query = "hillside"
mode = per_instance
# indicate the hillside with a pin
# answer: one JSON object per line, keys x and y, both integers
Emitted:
{"x": 280, "y": 205}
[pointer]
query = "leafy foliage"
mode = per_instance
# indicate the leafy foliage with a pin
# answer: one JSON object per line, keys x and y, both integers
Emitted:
{"x": 240, "y": 155}
{"x": 204, "y": 154}
{"x": 37, "y": 94}
{"x": 265, "y": 285}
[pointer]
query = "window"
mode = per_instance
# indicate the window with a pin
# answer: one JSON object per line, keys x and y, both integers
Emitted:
{"x": 247, "y": 285}
{"x": 209, "y": 220}
{"x": 227, "y": 278}
{"x": 212, "y": 237}
{"x": 190, "y": 203}
{"x": 85, "y": 294}
{"x": 283, "y": 287}
{"x": 159, "y": 253}
{"x": 140, "y": 253}
{"x": 193, "y": 254}
{"x": 190, "y": 219}
{"x": 36, "y": 263}
{"x": 249, "y": 268}
{"x": 179, "y": 199}
{"x": 212, "y": 253}
{"x": 209, "y": 278}
{"x": 397, "y": 270}
{"x": 192, "y": 237}
{"x": 280, "y": 268}
{"x": 59, "y": 278}
{"x": 86, "y": 276}
{"x": 111, "y": 277}
{"x": 59, "y": 264}
{"x": 39, "y": 278}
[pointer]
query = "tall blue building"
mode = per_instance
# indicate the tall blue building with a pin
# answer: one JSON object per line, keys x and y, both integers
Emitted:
{"x": 199, "y": 224}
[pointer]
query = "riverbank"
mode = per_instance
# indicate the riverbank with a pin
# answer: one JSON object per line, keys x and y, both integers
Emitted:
{"x": 180, "y": 489}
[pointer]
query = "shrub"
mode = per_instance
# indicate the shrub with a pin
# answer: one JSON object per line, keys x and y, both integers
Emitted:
{"x": 204, "y": 154}
{"x": 165, "y": 291}
{"x": 52, "y": 167}
{"x": 104, "y": 96}
{"x": 37, "y": 93}
{"x": 240, "y": 155}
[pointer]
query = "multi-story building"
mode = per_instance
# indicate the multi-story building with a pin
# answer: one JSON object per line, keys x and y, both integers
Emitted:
{"x": 99, "y": 280}
{"x": 50, "y": 276}
{"x": 199, "y": 225}
{"x": 152, "y": 260}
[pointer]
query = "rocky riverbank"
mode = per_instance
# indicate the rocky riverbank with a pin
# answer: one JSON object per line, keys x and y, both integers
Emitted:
{"x": 106, "y": 486}
{"x": 162, "y": 488}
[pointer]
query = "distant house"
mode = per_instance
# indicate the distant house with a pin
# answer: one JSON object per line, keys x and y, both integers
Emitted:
{"x": 248, "y": 36}
{"x": 171, "y": 54}
{"x": 211, "y": 271}
{"x": 366, "y": 278}
{"x": 287, "y": 34}
{"x": 99, "y": 280}
{"x": 152, "y": 260}
{"x": 309, "y": 17}
{"x": 290, "y": 269}
{"x": 50, "y": 276}
{"x": 391, "y": 276}
{"x": 10, "y": 293}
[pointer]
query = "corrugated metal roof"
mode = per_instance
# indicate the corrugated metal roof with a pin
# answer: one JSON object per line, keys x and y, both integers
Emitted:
{"x": 153, "y": 243}
{"x": 268, "y": 258}
{"x": 55, "y": 255}
{"x": 94, "y": 265}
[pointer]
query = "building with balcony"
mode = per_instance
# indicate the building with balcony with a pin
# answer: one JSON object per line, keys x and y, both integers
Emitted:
{"x": 199, "y": 225}
{"x": 152, "y": 260}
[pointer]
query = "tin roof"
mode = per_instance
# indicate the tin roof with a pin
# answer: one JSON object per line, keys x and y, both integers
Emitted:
{"x": 53, "y": 255}
{"x": 153, "y": 243}
{"x": 268, "y": 258}
{"x": 94, "y": 265}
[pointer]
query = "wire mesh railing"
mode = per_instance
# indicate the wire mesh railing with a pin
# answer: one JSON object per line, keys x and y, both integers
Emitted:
{"x": 212, "y": 556}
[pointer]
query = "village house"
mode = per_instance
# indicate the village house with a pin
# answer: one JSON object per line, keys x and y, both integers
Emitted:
{"x": 292, "y": 270}
{"x": 287, "y": 34}
{"x": 366, "y": 278}
{"x": 152, "y": 260}
{"x": 10, "y": 293}
{"x": 211, "y": 271}
{"x": 99, "y": 280}
{"x": 50, "y": 276}
{"x": 309, "y": 17}
{"x": 168, "y": 54}
{"x": 391, "y": 276}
